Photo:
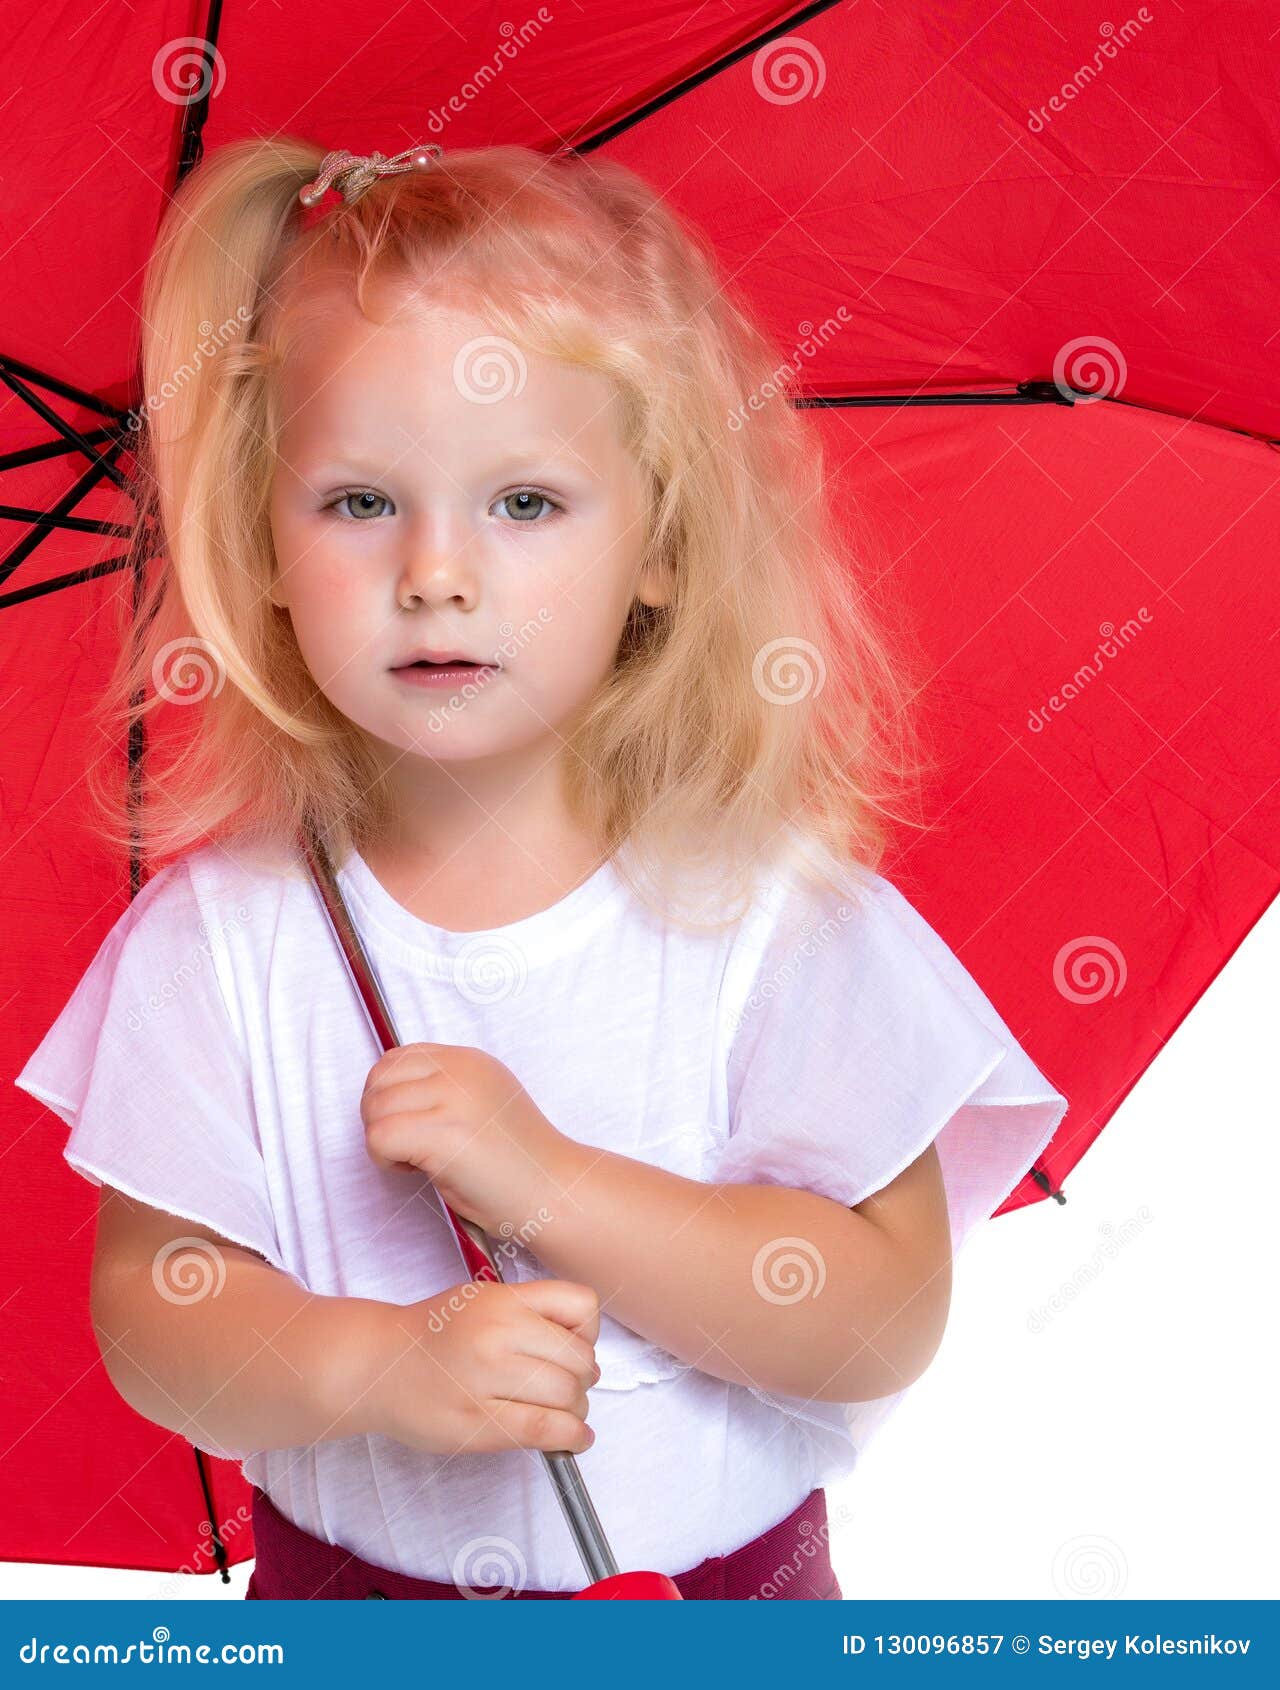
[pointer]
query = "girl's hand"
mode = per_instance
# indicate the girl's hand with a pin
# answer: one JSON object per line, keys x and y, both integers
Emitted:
{"x": 482, "y": 1367}
{"x": 461, "y": 1117}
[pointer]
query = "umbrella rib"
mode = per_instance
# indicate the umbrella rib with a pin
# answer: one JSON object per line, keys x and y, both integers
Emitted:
{"x": 99, "y": 465}
{"x": 698, "y": 77}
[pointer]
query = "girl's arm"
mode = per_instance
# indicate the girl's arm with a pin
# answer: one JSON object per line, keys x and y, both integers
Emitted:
{"x": 758, "y": 1284}
{"x": 235, "y": 1364}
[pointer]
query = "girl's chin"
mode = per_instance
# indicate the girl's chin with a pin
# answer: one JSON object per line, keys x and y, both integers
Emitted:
{"x": 460, "y": 733}
{"x": 444, "y": 737}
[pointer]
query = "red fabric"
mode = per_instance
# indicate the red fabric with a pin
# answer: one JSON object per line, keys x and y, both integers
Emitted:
{"x": 894, "y": 189}
{"x": 791, "y": 1560}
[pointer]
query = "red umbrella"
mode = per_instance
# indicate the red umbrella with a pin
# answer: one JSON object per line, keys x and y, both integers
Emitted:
{"x": 1020, "y": 259}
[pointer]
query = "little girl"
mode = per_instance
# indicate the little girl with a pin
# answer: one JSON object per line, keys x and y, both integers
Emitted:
{"x": 487, "y": 555}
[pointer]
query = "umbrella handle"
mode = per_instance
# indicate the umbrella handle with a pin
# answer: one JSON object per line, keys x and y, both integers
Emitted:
{"x": 478, "y": 1254}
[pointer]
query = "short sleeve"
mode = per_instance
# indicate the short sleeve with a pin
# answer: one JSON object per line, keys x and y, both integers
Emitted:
{"x": 861, "y": 1040}
{"x": 146, "y": 1067}
{"x": 856, "y": 1039}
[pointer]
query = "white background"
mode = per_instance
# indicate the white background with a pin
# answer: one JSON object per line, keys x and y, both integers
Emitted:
{"x": 1126, "y": 1447}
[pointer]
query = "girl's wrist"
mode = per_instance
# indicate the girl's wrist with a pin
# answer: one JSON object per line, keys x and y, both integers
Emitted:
{"x": 557, "y": 1161}
{"x": 361, "y": 1341}
{"x": 532, "y": 1187}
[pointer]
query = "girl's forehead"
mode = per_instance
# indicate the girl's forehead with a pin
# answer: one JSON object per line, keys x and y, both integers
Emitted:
{"x": 449, "y": 373}
{"x": 330, "y": 335}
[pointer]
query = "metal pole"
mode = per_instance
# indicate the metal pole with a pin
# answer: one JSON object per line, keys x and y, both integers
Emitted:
{"x": 477, "y": 1251}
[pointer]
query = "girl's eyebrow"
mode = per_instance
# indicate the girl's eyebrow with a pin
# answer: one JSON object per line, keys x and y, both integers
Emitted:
{"x": 550, "y": 457}
{"x": 341, "y": 461}
{"x": 547, "y": 455}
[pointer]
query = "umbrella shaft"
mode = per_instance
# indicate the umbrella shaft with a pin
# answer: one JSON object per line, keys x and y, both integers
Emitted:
{"x": 562, "y": 1469}
{"x": 580, "y": 1514}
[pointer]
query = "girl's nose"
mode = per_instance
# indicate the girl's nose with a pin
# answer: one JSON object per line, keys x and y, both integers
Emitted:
{"x": 435, "y": 575}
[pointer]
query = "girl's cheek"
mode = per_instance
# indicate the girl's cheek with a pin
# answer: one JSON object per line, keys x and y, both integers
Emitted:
{"x": 567, "y": 670}
{"x": 334, "y": 589}
{"x": 334, "y": 622}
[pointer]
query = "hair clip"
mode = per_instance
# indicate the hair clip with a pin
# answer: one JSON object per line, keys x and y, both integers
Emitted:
{"x": 351, "y": 173}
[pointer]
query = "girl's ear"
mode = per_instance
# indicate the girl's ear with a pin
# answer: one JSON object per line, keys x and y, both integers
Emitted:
{"x": 655, "y": 585}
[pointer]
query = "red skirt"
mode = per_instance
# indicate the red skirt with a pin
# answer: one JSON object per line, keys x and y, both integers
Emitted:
{"x": 791, "y": 1559}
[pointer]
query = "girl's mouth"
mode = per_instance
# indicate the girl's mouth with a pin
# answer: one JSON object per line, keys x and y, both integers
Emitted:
{"x": 424, "y": 674}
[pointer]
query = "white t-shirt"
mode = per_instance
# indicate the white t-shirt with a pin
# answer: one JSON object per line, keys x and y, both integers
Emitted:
{"x": 211, "y": 1059}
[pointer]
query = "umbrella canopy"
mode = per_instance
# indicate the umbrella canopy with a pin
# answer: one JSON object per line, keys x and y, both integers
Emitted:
{"x": 1018, "y": 258}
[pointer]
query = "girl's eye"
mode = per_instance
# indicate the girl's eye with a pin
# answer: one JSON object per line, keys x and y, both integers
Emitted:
{"x": 362, "y": 495}
{"x": 523, "y": 504}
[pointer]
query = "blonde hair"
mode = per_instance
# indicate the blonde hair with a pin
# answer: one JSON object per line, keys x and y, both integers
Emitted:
{"x": 761, "y": 698}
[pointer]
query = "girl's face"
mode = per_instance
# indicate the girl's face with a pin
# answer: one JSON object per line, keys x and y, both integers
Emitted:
{"x": 439, "y": 489}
